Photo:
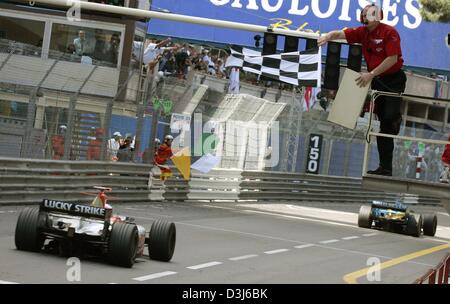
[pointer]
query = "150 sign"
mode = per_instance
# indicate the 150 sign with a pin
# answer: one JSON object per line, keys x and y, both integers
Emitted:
{"x": 314, "y": 151}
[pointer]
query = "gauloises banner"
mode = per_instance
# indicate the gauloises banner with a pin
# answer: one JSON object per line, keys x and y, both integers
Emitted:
{"x": 423, "y": 43}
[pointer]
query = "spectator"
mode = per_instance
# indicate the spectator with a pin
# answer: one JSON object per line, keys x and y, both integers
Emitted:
{"x": 154, "y": 49}
{"x": 182, "y": 62}
{"x": 58, "y": 143}
{"x": 147, "y": 156}
{"x": 114, "y": 145}
{"x": 124, "y": 154}
{"x": 112, "y": 49}
{"x": 162, "y": 155}
{"x": 95, "y": 145}
{"x": 100, "y": 45}
{"x": 70, "y": 54}
{"x": 168, "y": 63}
{"x": 220, "y": 68}
{"x": 445, "y": 174}
{"x": 82, "y": 45}
{"x": 208, "y": 63}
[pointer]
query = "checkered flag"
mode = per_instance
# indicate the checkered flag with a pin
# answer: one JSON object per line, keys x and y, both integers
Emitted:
{"x": 296, "y": 68}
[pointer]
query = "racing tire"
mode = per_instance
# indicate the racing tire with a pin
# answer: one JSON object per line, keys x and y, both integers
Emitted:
{"x": 414, "y": 225}
{"x": 123, "y": 244}
{"x": 429, "y": 224}
{"x": 27, "y": 236}
{"x": 365, "y": 216}
{"x": 162, "y": 239}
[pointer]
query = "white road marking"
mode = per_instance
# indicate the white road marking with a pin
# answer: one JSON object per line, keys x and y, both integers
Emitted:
{"x": 154, "y": 276}
{"x": 7, "y": 282}
{"x": 243, "y": 257}
{"x": 350, "y": 238}
{"x": 276, "y": 251}
{"x": 292, "y": 217}
{"x": 328, "y": 241}
{"x": 443, "y": 213}
{"x": 200, "y": 266}
{"x": 301, "y": 218}
{"x": 2, "y": 211}
{"x": 270, "y": 237}
{"x": 304, "y": 246}
{"x": 370, "y": 234}
{"x": 319, "y": 210}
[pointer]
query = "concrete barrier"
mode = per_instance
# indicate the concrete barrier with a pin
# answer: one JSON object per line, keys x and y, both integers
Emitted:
{"x": 28, "y": 181}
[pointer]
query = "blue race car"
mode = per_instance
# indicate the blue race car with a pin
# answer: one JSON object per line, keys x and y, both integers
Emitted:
{"x": 396, "y": 217}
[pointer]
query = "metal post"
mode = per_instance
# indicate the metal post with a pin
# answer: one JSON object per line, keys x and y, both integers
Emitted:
{"x": 106, "y": 126}
{"x": 26, "y": 148}
{"x": 7, "y": 58}
{"x": 71, "y": 115}
{"x": 327, "y": 160}
{"x": 347, "y": 157}
{"x": 69, "y": 131}
{"x": 444, "y": 123}
{"x": 108, "y": 114}
{"x": 366, "y": 157}
{"x": 293, "y": 127}
{"x": 153, "y": 131}
{"x": 140, "y": 109}
{"x": 155, "y": 113}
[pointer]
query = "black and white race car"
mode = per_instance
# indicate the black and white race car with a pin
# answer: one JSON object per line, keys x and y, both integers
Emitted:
{"x": 396, "y": 217}
{"x": 92, "y": 230}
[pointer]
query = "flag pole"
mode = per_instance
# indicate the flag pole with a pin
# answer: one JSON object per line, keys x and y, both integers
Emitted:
{"x": 144, "y": 14}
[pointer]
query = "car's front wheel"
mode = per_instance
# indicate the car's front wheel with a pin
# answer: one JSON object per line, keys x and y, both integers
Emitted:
{"x": 429, "y": 224}
{"x": 365, "y": 216}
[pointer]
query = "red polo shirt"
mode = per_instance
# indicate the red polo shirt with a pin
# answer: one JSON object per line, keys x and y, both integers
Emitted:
{"x": 382, "y": 42}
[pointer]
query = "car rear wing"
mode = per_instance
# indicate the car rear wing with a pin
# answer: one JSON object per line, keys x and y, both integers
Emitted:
{"x": 55, "y": 206}
{"x": 394, "y": 206}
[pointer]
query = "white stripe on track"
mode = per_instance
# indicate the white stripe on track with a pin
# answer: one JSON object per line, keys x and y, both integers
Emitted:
{"x": 154, "y": 276}
{"x": 370, "y": 234}
{"x": 200, "y": 266}
{"x": 328, "y": 241}
{"x": 243, "y": 257}
{"x": 276, "y": 251}
{"x": 7, "y": 282}
{"x": 304, "y": 246}
{"x": 350, "y": 238}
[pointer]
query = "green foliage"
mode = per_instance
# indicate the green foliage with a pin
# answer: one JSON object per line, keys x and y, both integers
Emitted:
{"x": 435, "y": 10}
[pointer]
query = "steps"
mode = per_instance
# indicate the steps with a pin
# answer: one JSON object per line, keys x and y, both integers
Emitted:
{"x": 83, "y": 132}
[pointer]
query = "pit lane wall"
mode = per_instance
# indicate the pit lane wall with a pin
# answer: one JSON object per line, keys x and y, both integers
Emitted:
{"x": 28, "y": 181}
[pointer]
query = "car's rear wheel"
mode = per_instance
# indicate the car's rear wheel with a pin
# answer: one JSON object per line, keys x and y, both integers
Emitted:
{"x": 429, "y": 224}
{"x": 414, "y": 224}
{"x": 27, "y": 235}
{"x": 162, "y": 241}
{"x": 123, "y": 244}
{"x": 365, "y": 216}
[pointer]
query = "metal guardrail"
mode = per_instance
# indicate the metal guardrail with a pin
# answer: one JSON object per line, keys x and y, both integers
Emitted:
{"x": 28, "y": 181}
{"x": 438, "y": 275}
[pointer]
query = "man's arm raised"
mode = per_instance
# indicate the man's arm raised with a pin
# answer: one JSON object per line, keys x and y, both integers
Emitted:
{"x": 334, "y": 35}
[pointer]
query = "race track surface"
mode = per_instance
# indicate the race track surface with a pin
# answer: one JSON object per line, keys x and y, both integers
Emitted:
{"x": 246, "y": 243}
